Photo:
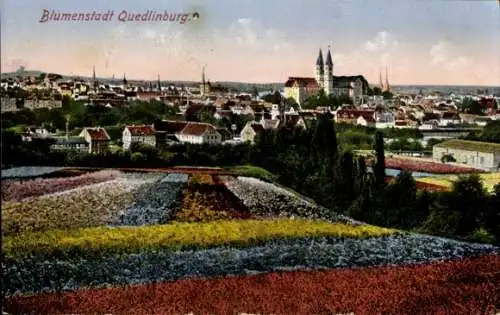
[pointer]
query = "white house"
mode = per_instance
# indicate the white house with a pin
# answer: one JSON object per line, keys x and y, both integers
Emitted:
{"x": 483, "y": 155}
{"x": 449, "y": 118}
{"x": 195, "y": 132}
{"x": 138, "y": 134}
{"x": 384, "y": 119}
{"x": 251, "y": 130}
{"x": 97, "y": 138}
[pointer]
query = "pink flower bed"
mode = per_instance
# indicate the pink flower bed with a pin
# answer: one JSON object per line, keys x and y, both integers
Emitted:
{"x": 428, "y": 167}
{"x": 18, "y": 190}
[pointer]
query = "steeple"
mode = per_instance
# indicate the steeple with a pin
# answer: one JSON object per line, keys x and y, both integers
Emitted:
{"x": 329, "y": 62}
{"x": 203, "y": 87}
{"x": 94, "y": 80}
{"x": 159, "y": 83}
{"x": 328, "y": 76}
{"x": 320, "y": 70}
{"x": 387, "y": 86}
{"x": 203, "y": 76}
{"x": 319, "y": 61}
{"x": 124, "y": 79}
{"x": 380, "y": 82}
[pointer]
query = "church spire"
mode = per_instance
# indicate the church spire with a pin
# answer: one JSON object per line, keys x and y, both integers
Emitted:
{"x": 94, "y": 80}
{"x": 387, "y": 86}
{"x": 159, "y": 83}
{"x": 124, "y": 79}
{"x": 203, "y": 75}
{"x": 319, "y": 61}
{"x": 329, "y": 62}
{"x": 380, "y": 82}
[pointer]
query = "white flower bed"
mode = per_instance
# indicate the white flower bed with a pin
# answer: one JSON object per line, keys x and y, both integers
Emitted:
{"x": 265, "y": 199}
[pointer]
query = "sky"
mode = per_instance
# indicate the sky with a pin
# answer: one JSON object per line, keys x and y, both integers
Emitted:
{"x": 444, "y": 42}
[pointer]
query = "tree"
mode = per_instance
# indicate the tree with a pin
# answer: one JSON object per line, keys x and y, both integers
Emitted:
{"x": 460, "y": 211}
{"x": 447, "y": 158}
{"x": 399, "y": 208}
{"x": 290, "y": 102}
{"x": 379, "y": 167}
{"x": 376, "y": 91}
{"x": 274, "y": 98}
{"x": 387, "y": 95}
{"x": 471, "y": 106}
{"x": 255, "y": 92}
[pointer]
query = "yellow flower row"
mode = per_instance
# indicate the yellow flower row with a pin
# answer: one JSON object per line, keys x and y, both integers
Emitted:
{"x": 88, "y": 241}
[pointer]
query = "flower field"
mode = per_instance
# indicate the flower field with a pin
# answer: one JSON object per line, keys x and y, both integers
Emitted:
{"x": 207, "y": 242}
{"x": 18, "y": 190}
{"x": 427, "y": 166}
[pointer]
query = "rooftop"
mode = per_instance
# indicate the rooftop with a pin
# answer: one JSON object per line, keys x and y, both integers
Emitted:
{"x": 467, "y": 145}
{"x": 142, "y": 130}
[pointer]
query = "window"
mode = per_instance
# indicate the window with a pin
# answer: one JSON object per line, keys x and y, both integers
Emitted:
{"x": 481, "y": 160}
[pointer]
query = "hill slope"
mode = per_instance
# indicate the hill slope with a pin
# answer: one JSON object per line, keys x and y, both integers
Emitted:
{"x": 113, "y": 241}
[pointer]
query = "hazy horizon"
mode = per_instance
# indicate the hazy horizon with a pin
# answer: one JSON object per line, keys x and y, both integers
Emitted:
{"x": 420, "y": 42}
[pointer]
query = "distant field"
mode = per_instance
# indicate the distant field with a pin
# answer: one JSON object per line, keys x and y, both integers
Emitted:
{"x": 489, "y": 180}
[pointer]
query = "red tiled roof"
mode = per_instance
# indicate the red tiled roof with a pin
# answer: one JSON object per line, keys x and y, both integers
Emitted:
{"x": 354, "y": 114}
{"x": 143, "y": 130}
{"x": 170, "y": 126}
{"x": 97, "y": 134}
{"x": 303, "y": 82}
{"x": 196, "y": 129}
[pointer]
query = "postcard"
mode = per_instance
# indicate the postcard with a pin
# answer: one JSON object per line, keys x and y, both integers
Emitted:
{"x": 250, "y": 156}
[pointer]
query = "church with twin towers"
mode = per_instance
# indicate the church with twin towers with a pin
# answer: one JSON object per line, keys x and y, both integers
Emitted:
{"x": 300, "y": 88}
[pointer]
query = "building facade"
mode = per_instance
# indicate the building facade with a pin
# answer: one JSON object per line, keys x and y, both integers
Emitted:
{"x": 251, "y": 131}
{"x": 482, "y": 155}
{"x": 300, "y": 88}
{"x": 97, "y": 139}
{"x": 195, "y": 132}
{"x": 138, "y": 134}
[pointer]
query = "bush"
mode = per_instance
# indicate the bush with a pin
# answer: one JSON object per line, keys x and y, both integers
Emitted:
{"x": 253, "y": 171}
{"x": 482, "y": 236}
{"x": 138, "y": 156}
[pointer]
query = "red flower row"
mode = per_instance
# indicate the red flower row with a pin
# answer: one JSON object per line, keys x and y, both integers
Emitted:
{"x": 468, "y": 286}
{"x": 426, "y": 166}
{"x": 431, "y": 187}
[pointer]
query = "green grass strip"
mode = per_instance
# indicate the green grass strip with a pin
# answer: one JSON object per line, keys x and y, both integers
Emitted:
{"x": 175, "y": 236}
{"x": 253, "y": 171}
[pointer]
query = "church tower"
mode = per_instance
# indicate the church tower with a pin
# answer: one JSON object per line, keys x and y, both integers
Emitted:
{"x": 387, "y": 86}
{"x": 320, "y": 70}
{"x": 203, "y": 86}
{"x": 380, "y": 82}
{"x": 94, "y": 80}
{"x": 329, "y": 73}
